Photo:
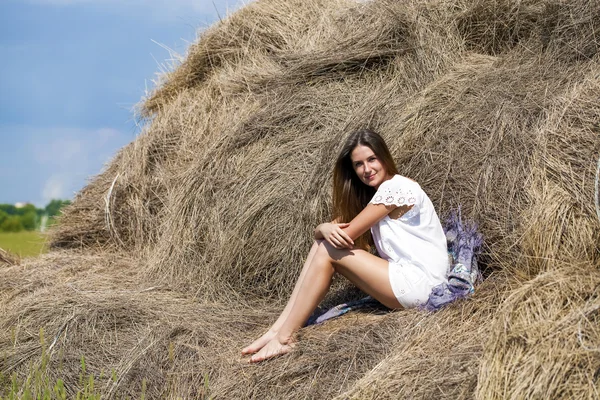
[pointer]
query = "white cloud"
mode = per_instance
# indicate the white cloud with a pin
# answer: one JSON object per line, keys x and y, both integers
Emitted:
{"x": 54, "y": 188}
{"x": 73, "y": 155}
{"x": 53, "y": 162}
{"x": 75, "y": 149}
{"x": 106, "y": 135}
{"x": 58, "y": 151}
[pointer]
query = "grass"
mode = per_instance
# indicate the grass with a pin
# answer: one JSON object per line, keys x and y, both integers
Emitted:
{"x": 23, "y": 244}
{"x": 38, "y": 385}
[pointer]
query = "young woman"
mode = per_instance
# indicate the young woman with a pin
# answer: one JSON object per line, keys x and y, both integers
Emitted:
{"x": 370, "y": 194}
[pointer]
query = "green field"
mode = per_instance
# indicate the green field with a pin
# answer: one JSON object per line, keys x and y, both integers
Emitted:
{"x": 23, "y": 244}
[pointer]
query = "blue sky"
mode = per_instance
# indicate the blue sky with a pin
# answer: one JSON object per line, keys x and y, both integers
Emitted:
{"x": 70, "y": 74}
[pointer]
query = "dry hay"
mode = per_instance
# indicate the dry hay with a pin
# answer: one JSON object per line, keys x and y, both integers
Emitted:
{"x": 175, "y": 342}
{"x": 184, "y": 247}
{"x": 7, "y": 258}
{"x": 545, "y": 340}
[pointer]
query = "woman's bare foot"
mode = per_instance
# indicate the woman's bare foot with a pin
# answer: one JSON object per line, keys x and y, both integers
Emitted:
{"x": 272, "y": 349}
{"x": 259, "y": 343}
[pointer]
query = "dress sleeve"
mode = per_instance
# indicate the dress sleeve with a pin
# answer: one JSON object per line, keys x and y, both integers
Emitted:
{"x": 398, "y": 192}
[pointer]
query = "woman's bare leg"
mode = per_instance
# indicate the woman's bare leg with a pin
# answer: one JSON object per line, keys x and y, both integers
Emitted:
{"x": 368, "y": 272}
{"x": 272, "y": 332}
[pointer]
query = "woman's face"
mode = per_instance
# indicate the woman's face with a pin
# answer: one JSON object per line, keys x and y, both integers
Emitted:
{"x": 367, "y": 166}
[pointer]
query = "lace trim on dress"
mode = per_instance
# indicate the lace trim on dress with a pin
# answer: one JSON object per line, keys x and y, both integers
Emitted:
{"x": 393, "y": 196}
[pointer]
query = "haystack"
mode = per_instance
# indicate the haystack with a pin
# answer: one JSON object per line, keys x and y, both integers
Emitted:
{"x": 183, "y": 249}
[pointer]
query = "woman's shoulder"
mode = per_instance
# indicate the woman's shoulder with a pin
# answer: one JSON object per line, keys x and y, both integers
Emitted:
{"x": 398, "y": 190}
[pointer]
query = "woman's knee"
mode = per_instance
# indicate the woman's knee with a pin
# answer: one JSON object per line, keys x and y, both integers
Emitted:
{"x": 314, "y": 247}
{"x": 317, "y": 243}
{"x": 326, "y": 250}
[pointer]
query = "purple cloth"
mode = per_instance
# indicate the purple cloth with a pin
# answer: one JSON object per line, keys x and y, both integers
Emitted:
{"x": 319, "y": 316}
{"x": 464, "y": 241}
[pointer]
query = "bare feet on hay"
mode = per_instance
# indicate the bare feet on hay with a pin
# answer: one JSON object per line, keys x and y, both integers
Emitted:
{"x": 272, "y": 349}
{"x": 259, "y": 343}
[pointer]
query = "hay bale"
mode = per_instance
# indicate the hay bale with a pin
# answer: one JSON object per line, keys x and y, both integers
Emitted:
{"x": 263, "y": 127}
{"x": 163, "y": 204}
{"x": 195, "y": 232}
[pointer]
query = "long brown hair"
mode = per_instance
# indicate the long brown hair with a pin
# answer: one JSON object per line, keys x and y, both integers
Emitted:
{"x": 350, "y": 194}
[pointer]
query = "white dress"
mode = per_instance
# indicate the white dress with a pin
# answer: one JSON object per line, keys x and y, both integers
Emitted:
{"x": 414, "y": 244}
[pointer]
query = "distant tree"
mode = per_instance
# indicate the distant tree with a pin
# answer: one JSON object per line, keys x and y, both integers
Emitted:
{"x": 29, "y": 220}
{"x": 9, "y": 209}
{"x": 28, "y": 217}
{"x": 27, "y": 208}
{"x": 53, "y": 208}
{"x": 12, "y": 224}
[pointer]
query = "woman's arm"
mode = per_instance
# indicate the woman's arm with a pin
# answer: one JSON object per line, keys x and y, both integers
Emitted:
{"x": 372, "y": 214}
{"x": 342, "y": 235}
{"x": 368, "y": 217}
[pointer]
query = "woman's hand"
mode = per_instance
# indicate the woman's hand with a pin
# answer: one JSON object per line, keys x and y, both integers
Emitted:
{"x": 335, "y": 235}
